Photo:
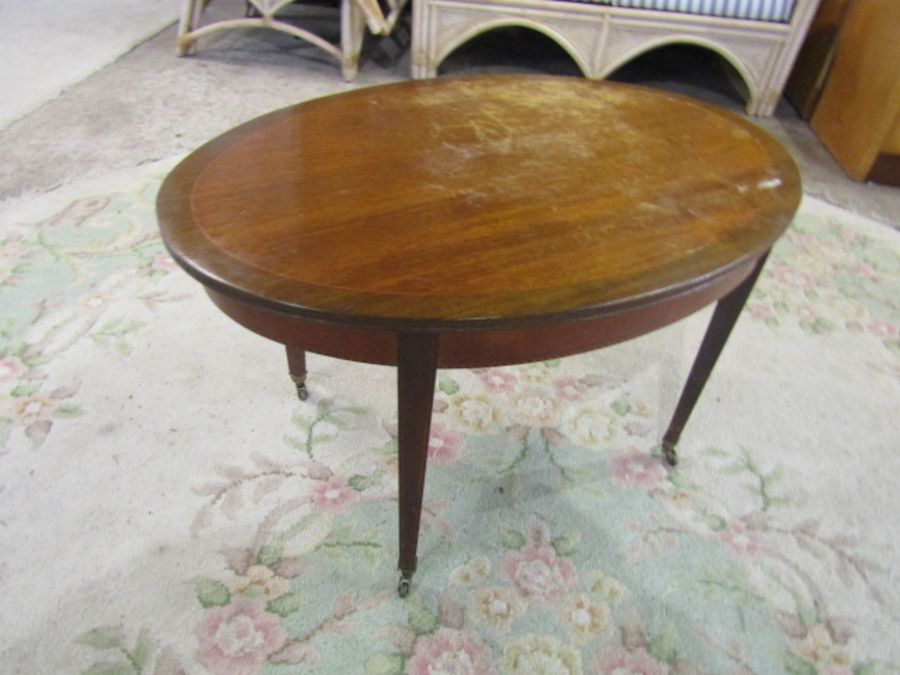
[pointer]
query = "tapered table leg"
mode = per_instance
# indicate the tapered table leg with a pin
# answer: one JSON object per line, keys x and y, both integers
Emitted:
{"x": 416, "y": 370}
{"x": 723, "y": 319}
{"x": 297, "y": 368}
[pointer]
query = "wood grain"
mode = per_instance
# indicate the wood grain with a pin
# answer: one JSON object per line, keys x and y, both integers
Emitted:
{"x": 477, "y": 203}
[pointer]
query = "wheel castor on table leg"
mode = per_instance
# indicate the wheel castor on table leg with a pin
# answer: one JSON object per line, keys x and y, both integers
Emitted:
{"x": 405, "y": 583}
{"x": 297, "y": 369}
{"x": 302, "y": 391}
{"x": 670, "y": 454}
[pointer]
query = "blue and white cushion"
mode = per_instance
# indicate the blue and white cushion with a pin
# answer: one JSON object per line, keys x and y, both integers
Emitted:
{"x": 759, "y": 10}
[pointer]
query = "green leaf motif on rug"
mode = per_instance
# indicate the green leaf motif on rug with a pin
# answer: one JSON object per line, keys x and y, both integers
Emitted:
{"x": 341, "y": 418}
{"x": 511, "y": 538}
{"x": 798, "y": 666}
{"x": 421, "y": 619}
{"x": 621, "y": 407}
{"x": 113, "y": 333}
{"x": 68, "y": 411}
{"x": 806, "y": 612}
{"x": 447, "y": 384}
{"x": 25, "y": 390}
{"x": 384, "y": 663}
{"x": 109, "y": 637}
{"x": 818, "y": 326}
{"x": 567, "y": 545}
{"x": 272, "y": 552}
{"x": 727, "y": 585}
{"x": 363, "y": 483}
{"x": 112, "y": 638}
{"x": 762, "y": 484}
{"x": 347, "y": 544}
{"x": 389, "y": 449}
{"x": 664, "y": 647}
{"x": 143, "y": 650}
{"x": 285, "y": 605}
{"x": 269, "y": 554}
{"x": 212, "y": 593}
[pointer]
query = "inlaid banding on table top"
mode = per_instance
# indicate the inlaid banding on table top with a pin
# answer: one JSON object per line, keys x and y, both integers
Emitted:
{"x": 489, "y": 187}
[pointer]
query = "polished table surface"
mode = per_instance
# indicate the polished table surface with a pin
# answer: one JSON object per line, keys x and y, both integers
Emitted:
{"x": 479, "y": 221}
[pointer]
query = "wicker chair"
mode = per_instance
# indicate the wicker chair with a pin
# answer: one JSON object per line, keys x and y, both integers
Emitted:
{"x": 355, "y": 15}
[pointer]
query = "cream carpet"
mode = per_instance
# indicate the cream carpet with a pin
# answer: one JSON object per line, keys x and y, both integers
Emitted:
{"x": 168, "y": 506}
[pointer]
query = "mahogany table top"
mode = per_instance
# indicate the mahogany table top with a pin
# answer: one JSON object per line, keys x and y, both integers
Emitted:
{"x": 488, "y": 202}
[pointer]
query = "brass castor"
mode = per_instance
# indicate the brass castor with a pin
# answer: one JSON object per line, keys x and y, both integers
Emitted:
{"x": 404, "y": 585}
{"x": 669, "y": 453}
{"x": 300, "y": 383}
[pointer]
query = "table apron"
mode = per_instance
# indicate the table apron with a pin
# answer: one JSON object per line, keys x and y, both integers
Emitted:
{"x": 482, "y": 348}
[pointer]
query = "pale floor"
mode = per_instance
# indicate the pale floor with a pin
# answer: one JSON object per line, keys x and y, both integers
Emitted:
{"x": 150, "y": 105}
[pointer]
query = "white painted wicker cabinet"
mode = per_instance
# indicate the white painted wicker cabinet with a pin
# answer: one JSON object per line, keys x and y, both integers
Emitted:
{"x": 760, "y": 38}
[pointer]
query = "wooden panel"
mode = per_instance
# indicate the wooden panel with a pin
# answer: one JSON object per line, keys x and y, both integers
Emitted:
{"x": 814, "y": 60}
{"x": 885, "y": 170}
{"x": 475, "y": 349}
{"x": 892, "y": 142}
{"x": 861, "y": 99}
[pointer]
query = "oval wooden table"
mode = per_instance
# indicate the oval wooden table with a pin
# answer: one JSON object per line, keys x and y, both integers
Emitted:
{"x": 460, "y": 223}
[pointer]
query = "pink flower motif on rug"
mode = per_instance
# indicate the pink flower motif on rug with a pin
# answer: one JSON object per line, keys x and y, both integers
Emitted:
{"x": 454, "y": 652}
{"x": 793, "y": 277}
{"x": 884, "y": 329}
{"x": 639, "y": 470}
{"x": 497, "y": 607}
{"x": 570, "y": 388}
{"x": 760, "y": 310}
{"x": 585, "y": 618}
{"x": 538, "y": 573}
{"x": 534, "y": 407}
{"x": 865, "y": 271}
{"x": 11, "y": 368}
{"x": 638, "y": 662}
{"x": 333, "y": 495}
{"x": 33, "y": 409}
{"x": 260, "y": 582}
{"x": 445, "y": 446}
{"x": 739, "y": 540}
{"x": 495, "y": 380}
{"x": 238, "y": 638}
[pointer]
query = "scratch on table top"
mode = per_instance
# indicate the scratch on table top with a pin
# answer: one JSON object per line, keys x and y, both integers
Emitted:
{"x": 769, "y": 184}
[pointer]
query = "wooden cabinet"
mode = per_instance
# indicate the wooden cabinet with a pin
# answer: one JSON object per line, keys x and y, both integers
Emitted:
{"x": 814, "y": 60}
{"x": 858, "y": 114}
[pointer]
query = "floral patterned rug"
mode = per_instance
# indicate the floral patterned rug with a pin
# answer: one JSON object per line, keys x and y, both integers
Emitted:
{"x": 168, "y": 506}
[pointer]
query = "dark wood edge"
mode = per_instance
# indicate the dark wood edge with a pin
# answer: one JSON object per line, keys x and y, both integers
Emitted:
{"x": 482, "y": 348}
{"x": 885, "y": 170}
{"x": 508, "y": 347}
{"x": 363, "y": 321}
{"x": 226, "y": 275}
{"x": 350, "y": 343}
